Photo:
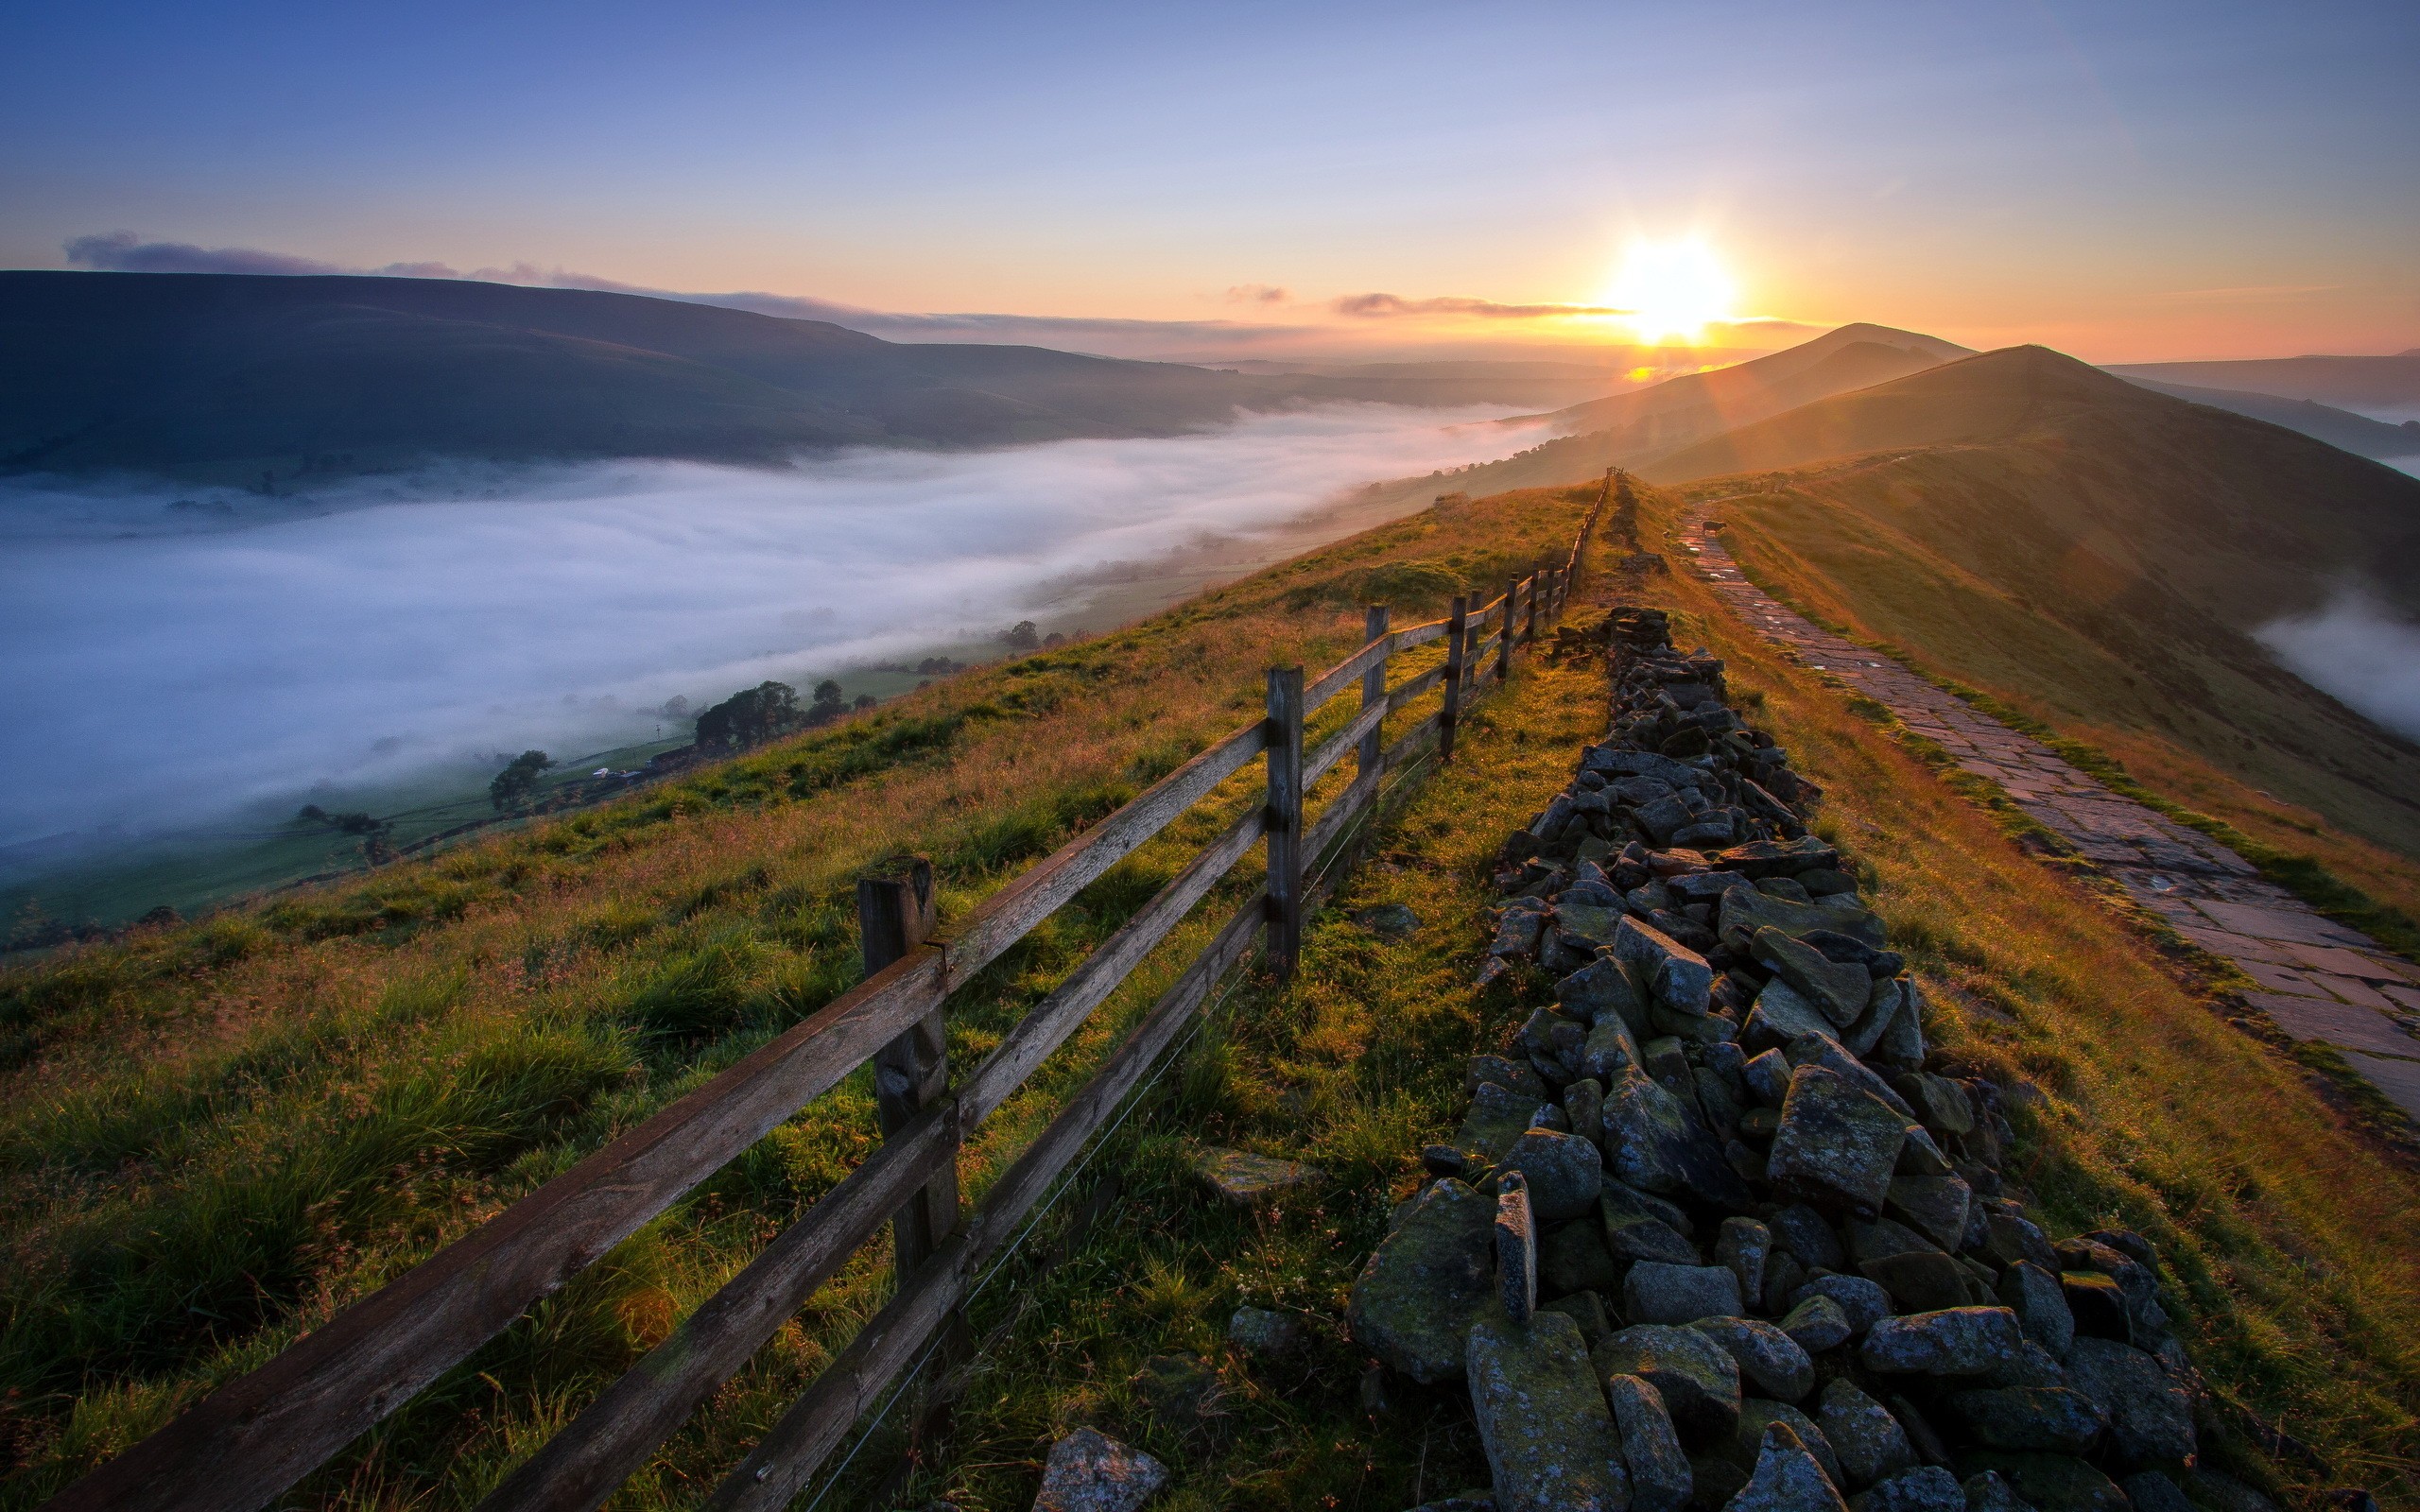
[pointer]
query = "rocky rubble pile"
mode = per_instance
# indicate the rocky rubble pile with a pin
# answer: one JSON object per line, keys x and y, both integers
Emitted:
{"x": 1717, "y": 1230}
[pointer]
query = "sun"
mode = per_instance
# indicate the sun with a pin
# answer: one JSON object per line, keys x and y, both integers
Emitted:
{"x": 1672, "y": 290}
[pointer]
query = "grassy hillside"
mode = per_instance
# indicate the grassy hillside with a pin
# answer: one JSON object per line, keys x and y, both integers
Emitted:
{"x": 216, "y": 1134}
{"x": 224, "y": 377}
{"x": 2098, "y": 556}
{"x": 2340, "y": 428}
{"x": 2289, "y": 1236}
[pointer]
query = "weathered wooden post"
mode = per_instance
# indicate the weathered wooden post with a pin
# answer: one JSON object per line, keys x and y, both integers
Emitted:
{"x": 894, "y": 916}
{"x": 1285, "y": 819}
{"x": 1505, "y": 631}
{"x": 1374, "y": 690}
{"x": 1455, "y": 624}
{"x": 1529, "y": 619}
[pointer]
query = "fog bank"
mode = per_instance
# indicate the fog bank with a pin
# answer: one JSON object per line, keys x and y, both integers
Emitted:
{"x": 2361, "y": 653}
{"x": 170, "y": 665}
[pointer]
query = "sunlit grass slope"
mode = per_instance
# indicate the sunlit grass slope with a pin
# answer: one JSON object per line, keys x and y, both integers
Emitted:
{"x": 214, "y": 1135}
{"x": 2290, "y": 1238}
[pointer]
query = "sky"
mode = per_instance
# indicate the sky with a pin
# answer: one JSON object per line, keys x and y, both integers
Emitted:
{"x": 2125, "y": 181}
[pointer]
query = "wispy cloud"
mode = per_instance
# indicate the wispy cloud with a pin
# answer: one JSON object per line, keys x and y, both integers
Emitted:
{"x": 2360, "y": 651}
{"x": 122, "y": 251}
{"x": 1256, "y": 294}
{"x": 1384, "y": 306}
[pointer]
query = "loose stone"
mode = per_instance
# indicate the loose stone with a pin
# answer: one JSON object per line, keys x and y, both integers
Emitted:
{"x": 1550, "y": 1437}
{"x": 1660, "y": 1479}
{"x": 1655, "y": 1292}
{"x": 1698, "y": 1380}
{"x": 1415, "y": 1299}
{"x": 1817, "y": 1324}
{"x": 1089, "y": 1471}
{"x": 1745, "y": 1245}
{"x": 1870, "y": 1443}
{"x": 1958, "y": 1341}
{"x": 1767, "y": 1356}
{"x": 2051, "y": 1419}
{"x": 1259, "y": 1331}
{"x": 1516, "y": 1248}
{"x": 1787, "y": 1479}
{"x": 1929, "y": 1489}
{"x": 1563, "y": 1172}
{"x": 1246, "y": 1181}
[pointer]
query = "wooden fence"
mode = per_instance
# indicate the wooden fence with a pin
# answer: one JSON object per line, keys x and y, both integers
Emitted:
{"x": 243, "y": 1445}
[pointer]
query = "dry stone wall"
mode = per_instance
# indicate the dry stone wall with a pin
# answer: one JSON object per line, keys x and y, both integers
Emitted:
{"x": 1719, "y": 1229}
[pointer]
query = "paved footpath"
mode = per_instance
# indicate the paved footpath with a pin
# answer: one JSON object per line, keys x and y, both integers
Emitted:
{"x": 2322, "y": 981}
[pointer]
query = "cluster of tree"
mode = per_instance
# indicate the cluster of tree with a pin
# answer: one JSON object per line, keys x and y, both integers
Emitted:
{"x": 355, "y": 823}
{"x": 939, "y": 666}
{"x": 1027, "y": 636}
{"x": 754, "y": 715}
{"x": 518, "y": 780}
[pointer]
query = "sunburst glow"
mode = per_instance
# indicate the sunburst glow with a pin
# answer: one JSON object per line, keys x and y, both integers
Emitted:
{"x": 1673, "y": 290}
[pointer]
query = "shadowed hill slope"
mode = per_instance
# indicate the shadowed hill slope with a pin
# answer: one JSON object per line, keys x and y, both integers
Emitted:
{"x": 227, "y": 376}
{"x": 2341, "y": 428}
{"x": 2100, "y": 556}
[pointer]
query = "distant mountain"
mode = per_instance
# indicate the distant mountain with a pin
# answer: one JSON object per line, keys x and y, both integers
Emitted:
{"x": 2356, "y": 433}
{"x": 2035, "y": 525}
{"x": 2352, "y": 383}
{"x": 1633, "y": 429}
{"x": 230, "y": 377}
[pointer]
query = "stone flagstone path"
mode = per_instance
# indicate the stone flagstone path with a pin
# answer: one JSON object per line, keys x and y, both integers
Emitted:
{"x": 2322, "y": 981}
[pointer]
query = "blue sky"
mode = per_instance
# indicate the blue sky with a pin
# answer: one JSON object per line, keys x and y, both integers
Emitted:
{"x": 2128, "y": 181}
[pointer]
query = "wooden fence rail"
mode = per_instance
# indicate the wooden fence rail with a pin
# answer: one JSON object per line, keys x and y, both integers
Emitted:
{"x": 249, "y": 1442}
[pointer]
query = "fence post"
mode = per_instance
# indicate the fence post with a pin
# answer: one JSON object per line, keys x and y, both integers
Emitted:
{"x": 1529, "y": 617}
{"x": 1374, "y": 690}
{"x": 1285, "y": 819}
{"x": 1453, "y": 710}
{"x": 1505, "y": 631}
{"x": 894, "y": 916}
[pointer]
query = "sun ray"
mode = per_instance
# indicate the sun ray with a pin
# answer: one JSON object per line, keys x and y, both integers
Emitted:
{"x": 1673, "y": 290}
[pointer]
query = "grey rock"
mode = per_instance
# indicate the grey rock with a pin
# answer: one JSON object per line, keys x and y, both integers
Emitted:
{"x": 2040, "y": 1305}
{"x": 1652, "y": 1142}
{"x": 1941, "y": 1104}
{"x": 1788, "y": 1479}
{"x": 1902, "y": 1041}
{"x": 1633, "y": 1202}
{"x": 1497, "y": 1116}
{"x": 1825, "y": 1051}
{"x": 1759, "y": 859}
{"x": 1604, "y": 988}
{"x": 1698, "y": 1380}
{"x": 1243, "y": 1180}
{"x": 1884, "y": 1236}
{"x": 1516, "y": 1248}
{"x": 1660, "y": 1478}
{"x": 1808, "y": 1235}
{"x": 1921, "y": 1155}
{"x": 1818, "y": 1324}
{"x": 2010, "y": 1237}
{"x": 1090, "y": 1471}
{"x": 1563, "y": 1172}
{"x": 2151, "y": 1491}
{"x": 1870, "y": 1443}
{"x": 1992, "y": 1492}
{"x": 1586, "y": 1309}
{"x": 1584, "y": 1107}
{"x": 1927, "y": 1488}
{"x": 1419, "y": 1291}
{"x": 1586, "y": 924}
{"x": 1837, "y": 988}
{"x": 1957, "y": 1341}
{"x": 1745, "y": 911}
{"x": 1573, "y": 1257}
{"x": 1676, "y": 976}
{"x": 1919, "y": 1282}
{"x": 1663, "y": 818}
{"x": 2098, "y": 1304}
{"x": 1550, "y": 1437}
{"x": 1265, "y": 1333}
{"x": 1394, "y": 921}
{"x": 2051, "y": 1483}
{"x": 1610, "y": 1047}
{"x": 1655, "y": 1292}
{"x": 1934, "y": 1206}
{"x": 1513, "y": 1075}
{"x": 1745, "y": 1246}
{"x": 1862, "y": 1302}
{"x": 2052, "y": 1418}
{"x": 2224, "y": 1493}
{"x": 1768, "y": 1074}
{"x": 2034, "y": 1367}
{"x": 1780, "y": 1014}
{"x": 2150, "y": 1417}
{"x": 1630, "y": 1236}
{"x": 1836, "y": 1145}
{"x": 1715, "y": 1481}
{"x": 1884, "y": 1001}
{"x": 1551, "y": 1118}
{"x": 1756, "y": 1415}
{"x": 1782, "y": 1276}
{"x": 1766, "y": 1356}
{"x": 1516, "y": 932}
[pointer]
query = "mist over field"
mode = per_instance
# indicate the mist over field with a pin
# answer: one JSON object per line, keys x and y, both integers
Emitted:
{"x": 173, "y": 657}
{"x": 2361, "y": 653}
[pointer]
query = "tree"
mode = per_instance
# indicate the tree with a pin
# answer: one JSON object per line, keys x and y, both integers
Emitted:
{"x": 865, "y": 700}
{"x": 1022, "y": 636}
{"x": 519, "y": 778}
{"x": 751, "y": 715}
